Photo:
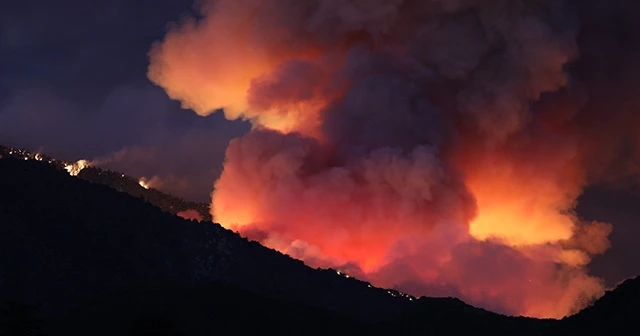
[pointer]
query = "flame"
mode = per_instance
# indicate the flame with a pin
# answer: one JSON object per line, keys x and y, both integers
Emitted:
{"x": 143, "y": 183}
{"x": 75, "y": 168}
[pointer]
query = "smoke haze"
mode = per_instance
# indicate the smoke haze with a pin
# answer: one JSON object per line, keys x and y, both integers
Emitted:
{"x": 73, "y": 85}
{"x": 434, "y": 146}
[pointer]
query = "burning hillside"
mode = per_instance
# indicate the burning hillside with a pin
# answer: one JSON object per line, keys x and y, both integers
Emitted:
{"x": 141, "y": 188}
{"x": 75, "y": 168}
{"x": 404, "y": 141}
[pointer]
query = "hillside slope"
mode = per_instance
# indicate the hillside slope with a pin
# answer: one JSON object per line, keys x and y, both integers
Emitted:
{"x": 616, "y": 313}
{"x": 87, "y": 255}
{"x": 66, "y": 239}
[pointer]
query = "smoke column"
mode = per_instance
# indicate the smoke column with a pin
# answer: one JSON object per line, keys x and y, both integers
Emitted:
{"x": 432, "y": 146}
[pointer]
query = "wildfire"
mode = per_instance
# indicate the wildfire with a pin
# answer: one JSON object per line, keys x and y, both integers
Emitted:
{"x": 399, "y": 139}
{"x": 143, "y": 183}
{"x": 23, "y": 154}
{"x": 75, "y": 168}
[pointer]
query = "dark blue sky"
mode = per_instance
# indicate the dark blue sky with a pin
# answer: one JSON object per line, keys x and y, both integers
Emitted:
{"x": 73, "y": 83}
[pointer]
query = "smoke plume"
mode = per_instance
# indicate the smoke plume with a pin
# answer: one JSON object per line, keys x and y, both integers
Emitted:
{"x": 190, "y": 215}
{"x": 436, "y": 146}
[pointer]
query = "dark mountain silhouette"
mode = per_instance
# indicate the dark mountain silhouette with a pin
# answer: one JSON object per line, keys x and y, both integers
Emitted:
{"x": 19, "y": 319}
{"x": 64, "y": 240}
{"x": 92, "y": 260}
{"x": 616, "y": 313}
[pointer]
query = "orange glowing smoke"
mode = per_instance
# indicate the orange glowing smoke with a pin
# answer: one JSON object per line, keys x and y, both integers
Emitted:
{"x": 190, "y": 214}
{"x": 535, "y": 189}
{"x": 398, "y": 140}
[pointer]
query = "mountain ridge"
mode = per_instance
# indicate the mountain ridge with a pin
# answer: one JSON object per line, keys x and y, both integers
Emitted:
{"x": 124, "y": 183}
{"x": 205, "y": 247}
{"x": 71, "y": 241}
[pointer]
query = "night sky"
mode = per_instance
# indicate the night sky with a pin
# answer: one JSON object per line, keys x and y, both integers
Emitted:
{"x": 73, "y": 83}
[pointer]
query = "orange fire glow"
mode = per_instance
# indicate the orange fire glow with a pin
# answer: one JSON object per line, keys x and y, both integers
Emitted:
{"x": 350, "y": 166}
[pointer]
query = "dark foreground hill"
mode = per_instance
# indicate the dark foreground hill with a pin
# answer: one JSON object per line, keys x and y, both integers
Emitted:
{"x": 84, "y": 259}
{"x": 616, "y": 313}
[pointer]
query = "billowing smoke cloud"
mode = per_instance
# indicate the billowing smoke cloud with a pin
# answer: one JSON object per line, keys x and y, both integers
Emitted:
{"x": 434, "y": 146}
